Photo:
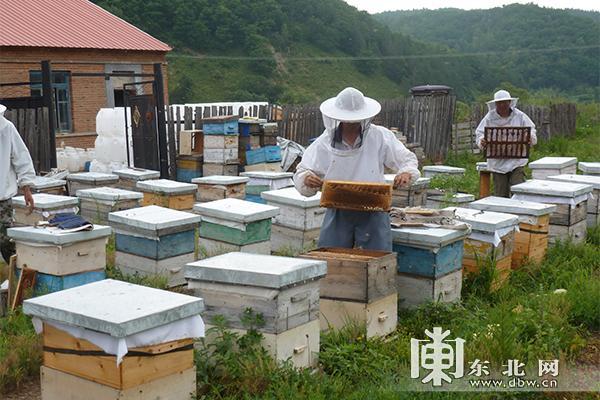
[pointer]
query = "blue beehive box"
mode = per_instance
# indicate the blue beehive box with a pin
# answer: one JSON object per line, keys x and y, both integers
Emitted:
{"x": 255, "y": 199}
{"x": 46, "y": 283}
{"x": 429, "y": 252}
{"x": 272, "y": 153}
{"x": 223, "y": 125}
{"x": 256, "y": 156}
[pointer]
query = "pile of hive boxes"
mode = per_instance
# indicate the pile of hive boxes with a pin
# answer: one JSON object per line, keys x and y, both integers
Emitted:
{"x": 116, "y": 340}
{"x": 190, "y": 157}
{"x": 267, "y": 158}
{"x": 221, "y": 144}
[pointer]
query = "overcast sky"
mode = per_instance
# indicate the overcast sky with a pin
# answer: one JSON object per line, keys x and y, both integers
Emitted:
{"x": 375, "y": 6}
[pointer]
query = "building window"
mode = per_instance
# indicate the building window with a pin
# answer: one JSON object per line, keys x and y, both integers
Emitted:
{"x": 62, "y": 97}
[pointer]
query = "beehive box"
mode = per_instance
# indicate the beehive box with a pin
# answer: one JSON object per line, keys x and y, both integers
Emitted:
{"x": 220, "y": 142}
{"x": 546, "y": 166}
{"x": 98, "y": 202}
{"x": 589, "y": 168}
{"x": 235, "y": 221}
{"x": 568, "y": 221}
{"x": 438, "y": 201}
{"x": 210, "y": 169}
{"x": 189, "y": 167}
{"x": 248, "y": 127}
{"x": 210, "y": 248}
{"x": 46, "y": 206}
{"x": 190, "y": 142}
{"x": 84, "y": 330}
{"x": 221, "y": 156}
{"x": 285, "y": 291}
{"x": 42, "y": 184}
{"x": 430, "y": 171}
{"x": 356, "y": 196}
{"x": 289, "y": 240}
{"x": 154, "y": 240}
{"x": 167, "y": 193}
{"x": 264, "y": 167}
{"x": 414, "y": 195}
{"x": 492, "y": 238}
{"x": 222, "y": 125}
{"x": 88, "y": 180}
{"x": 295, "y": 211}
{"x": 531, "y": 242}
{"x": 262, "y": 181}
{"x": 129, "y": 177}
{"x": 218, "y": 187}
{"x": 593, "y": 203}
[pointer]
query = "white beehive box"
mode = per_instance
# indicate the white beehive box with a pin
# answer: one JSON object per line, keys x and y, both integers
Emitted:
{"x": 51, "y": 251}
{"x": 217, "y": 187}
{"x": 284, "y": 290}
{"x": 593, "y": 204}
{"x": 433, "y": 170}
{"x": 527, "y": 211}
{"x": 590, "y": 168}
{"x": 444, "y": 200}
{"x": 46, "y": 206}
{"x": 96, "y": 203}
{"x": 234, "y": 210}
{"x": 42, "y": 184}
{"x": 272, "y": 180}
{"x": 414, "y": 195}
{"x": 296, "y": 211}
{"x": 129, "y": 177}
{"x": 87, "y": 180}
{"x": 544, "y": 167}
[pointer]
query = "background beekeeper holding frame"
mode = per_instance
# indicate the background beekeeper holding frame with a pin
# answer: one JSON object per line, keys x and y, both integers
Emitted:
{"x": 503, "y": 112}
{"x": 353, "y": 149}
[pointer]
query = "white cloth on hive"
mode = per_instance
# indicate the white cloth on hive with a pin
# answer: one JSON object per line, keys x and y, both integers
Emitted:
{"x": 494, "y": 239}
{"x": 190, "y": 327}
{"x": 538, "y": 198}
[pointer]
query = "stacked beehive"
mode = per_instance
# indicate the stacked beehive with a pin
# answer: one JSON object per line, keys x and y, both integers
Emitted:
{"x": 116, "y": 340}
{"x": 430, "y": 171}
{"x": 167, "y": 193}
{"x": 220, "y": 146}
{"x": 97, "y": 203}
{"x": 298, "y": 224}
{"x": 544, "y": 167}
{"x": 234, "y": 225}
{"x": 269, "y": 134}
{"x": 42, "y": 184}
{"x": 267, "y": 158}
{"x": 414, "y": 195}
{"x": 154, "y": 241}
{"x": 360, "y": 288}
{"x": 88, "y": 180}
{"x": 264, "y": 181}
{"x": 218, "y": 187}
{"x": 531, "y": 241}
{"x": 285, "y": 291}
{"x": 429, "y": 264}
{"x": 129, "y": 177}
{"x": 46, "y": 206}
{"x": 593, "y": 204}
{"x": 590, "y": 168}
{"x": 62, "y": 260}
{"x": 568, "y": 221}
{"x": 492, "y": 239}
{"x": 438, "y": 199}
{"x": 189, "y": 167}
{"x": 250, "y": 136}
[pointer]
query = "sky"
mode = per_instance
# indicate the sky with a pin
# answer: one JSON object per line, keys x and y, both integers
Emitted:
{"x": 375, "y": 6}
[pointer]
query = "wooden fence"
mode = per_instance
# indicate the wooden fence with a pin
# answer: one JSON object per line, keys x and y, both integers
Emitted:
{"x": 551, "y": 121}
{"x": 32, "y": 124}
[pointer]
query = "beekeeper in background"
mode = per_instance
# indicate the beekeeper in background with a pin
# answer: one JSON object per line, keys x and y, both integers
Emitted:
{"x": 353, "y": 149}
{"x": 16, "y": 170}
{"x": 503, "y": 111}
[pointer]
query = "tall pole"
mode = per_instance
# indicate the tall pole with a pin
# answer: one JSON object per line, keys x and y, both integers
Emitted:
{"x": 160, "y": 120}
{"x": 48, "y": 99}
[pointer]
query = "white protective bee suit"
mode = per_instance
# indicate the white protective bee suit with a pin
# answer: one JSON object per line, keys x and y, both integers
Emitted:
{"x": 330, "y": 158}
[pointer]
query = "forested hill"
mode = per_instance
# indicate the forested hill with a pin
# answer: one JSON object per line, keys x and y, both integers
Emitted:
{"x": 513, "y": 38}
{"x": 295, "y": 51}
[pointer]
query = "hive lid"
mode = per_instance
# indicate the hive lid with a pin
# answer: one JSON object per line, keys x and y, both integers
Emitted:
{"x": 553, "y": 162}
{"x": 551, "y": 188}
{"x": 166, "y": 186}
{"x": 267, "y": 175}
{"x": 446, "y": 169}
{"x": 255, "y": 270}
{"x": 46, "y": 201}
{"x": 92, "y": 177}
{"x": 114, "y": 307}
{"x": 221, "y": 180}
{"x": 421, "y": 182}
{"x": 290, "y": 196}
{"x": 584, "y": 179}
{"x": 41, "y": 182}
{"x": 513, "y": 206}
{"x": 109, "y": 193}
{"x": 485, "y": 221}
{"x": 589, "y": 167}
{"x": 428, "y": 237}
{"x": 137, "y": 174}
{"x": 55, "y": 236}
{"x": 153, "y": 218}
{"x": 236, "y": 210}
{"x": 455, "y": 198}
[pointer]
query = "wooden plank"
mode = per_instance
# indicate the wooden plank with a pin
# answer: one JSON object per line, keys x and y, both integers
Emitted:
{"x": 24, "y": 287}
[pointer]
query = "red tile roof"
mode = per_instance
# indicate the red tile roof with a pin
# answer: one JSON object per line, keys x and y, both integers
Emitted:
{"x": 69, "y": 24}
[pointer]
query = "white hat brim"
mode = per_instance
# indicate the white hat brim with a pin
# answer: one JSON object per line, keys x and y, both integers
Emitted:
{"x": 506, "y": 99}
{"x": 371, "y": 109}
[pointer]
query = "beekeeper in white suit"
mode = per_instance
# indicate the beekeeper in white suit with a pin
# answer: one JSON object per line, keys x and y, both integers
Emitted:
{"x": 353, "y": 149}
{"x": 503, "y": 111}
